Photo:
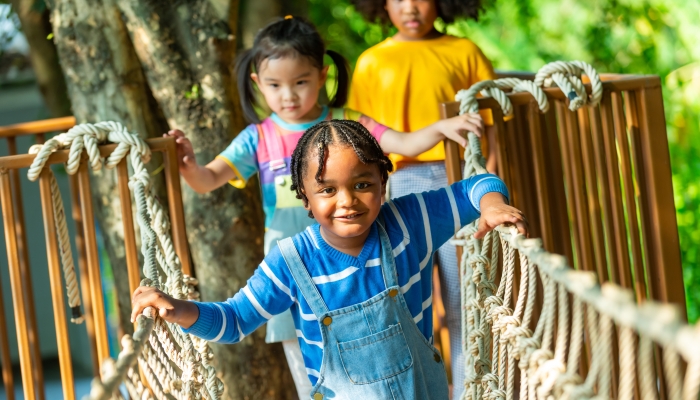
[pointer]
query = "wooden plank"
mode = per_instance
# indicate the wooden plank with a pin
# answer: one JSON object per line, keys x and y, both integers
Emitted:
{"x": 58, "y": 301}
{"x": 7, "y": 377}
{"x": 452, "y": 149}
{"x": 542, "y": 186}
{"x": 589, "y": 169}
{"x": 666, "y": 278}
{"x": 20, "y": 307}
{"x": 557, "y": 191}
{"x": 594, "y": 115}
{"x": 93, "y": 264}
{"x": 177, "y": 213}
{"x": 34, "y": 127}
{"x": 561, "y": 111}
{"x": 61, "y": 156}
{"x": 77, "y": 214}
{"x": 620, "y": 252}
{"x": 132, "y": 258}
{"x": 629, "y": 197}
{"x": 25, "y": 269}
{"x": 583, "y": 219}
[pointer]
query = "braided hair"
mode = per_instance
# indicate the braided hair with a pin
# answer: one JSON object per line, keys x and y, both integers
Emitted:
{"x": 339, "y": 132}
{"x": 448, "y": 10}
{"x": 288, "y": 37}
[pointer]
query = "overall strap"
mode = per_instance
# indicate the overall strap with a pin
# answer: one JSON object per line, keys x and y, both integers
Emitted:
{"x": 387, "y": 261}
{"x": 273, "y": 144}
{"x": 303, "y": 279}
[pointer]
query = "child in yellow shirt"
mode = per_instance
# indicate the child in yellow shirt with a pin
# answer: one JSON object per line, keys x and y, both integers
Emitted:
{"x": 400, "y": 83}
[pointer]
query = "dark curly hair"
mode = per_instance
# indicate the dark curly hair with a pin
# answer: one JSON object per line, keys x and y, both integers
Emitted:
{"x": 448, "y": 10}
{"x": 340, "y": 132}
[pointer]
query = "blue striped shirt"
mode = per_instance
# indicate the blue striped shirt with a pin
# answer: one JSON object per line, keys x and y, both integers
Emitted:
{"x": 417, "y": 225}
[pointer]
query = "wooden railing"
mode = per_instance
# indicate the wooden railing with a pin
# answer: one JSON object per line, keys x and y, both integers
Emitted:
{"x": 595, "y": 184}
{"x": 86, "y": 245}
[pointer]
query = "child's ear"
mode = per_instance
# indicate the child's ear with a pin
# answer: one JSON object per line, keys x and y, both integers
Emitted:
{"x": 384, "y": 189}
{"x": 324, "y": 74}
{"x": 255, "y": 78}
{"x": 305, "y": 200}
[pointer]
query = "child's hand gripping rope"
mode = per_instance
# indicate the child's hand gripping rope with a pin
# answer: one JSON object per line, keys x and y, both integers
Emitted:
{"x": 181, "y": 312}
{"x": 495, "y": 212}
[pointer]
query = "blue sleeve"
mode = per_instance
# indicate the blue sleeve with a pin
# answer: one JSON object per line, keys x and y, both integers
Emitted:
{"x": 241, "y": 155}
{"x": 266, "y": 294}
{"x": 432, "y": 218}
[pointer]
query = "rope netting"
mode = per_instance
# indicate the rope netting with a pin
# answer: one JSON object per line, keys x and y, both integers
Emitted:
{"x": 562, "y": 346}
{"x": 174, "y": 365}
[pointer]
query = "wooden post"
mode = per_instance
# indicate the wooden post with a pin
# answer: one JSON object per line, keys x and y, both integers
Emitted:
{"x": 588, "y": 158}
{"x": 629, "y": 197}
{"x": 93, "y": 264}
{"x": 7, "y": 378}
{"x": 25, "y": 268}
{"x": 540, "y": 171}
{"x": 59, "y": 305}
{"x": 663, "y": 254}
{"x": 601, "y": 166}
{"x": 84, "y": 273}
{"x": 620, "y": 252}
{"x": 132, "y": 258}
{"x": 19, "y": 305}
{"x": 177, "y": 220}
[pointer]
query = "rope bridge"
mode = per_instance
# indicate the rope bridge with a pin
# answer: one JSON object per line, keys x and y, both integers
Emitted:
{"x": 533, "y": 328}
{"x": 576, "y": 314}
{"x": 174, "y": 364}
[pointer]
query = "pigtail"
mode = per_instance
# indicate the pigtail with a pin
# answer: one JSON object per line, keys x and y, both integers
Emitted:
{"x": 342, "y": 78}
{"x": 246, "y": 87}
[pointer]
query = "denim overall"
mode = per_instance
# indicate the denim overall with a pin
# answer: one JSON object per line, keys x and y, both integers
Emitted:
{"x": 373, "y": 349}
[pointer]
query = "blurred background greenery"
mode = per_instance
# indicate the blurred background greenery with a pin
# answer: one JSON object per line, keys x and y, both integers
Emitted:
{"x": 619, "y": 36}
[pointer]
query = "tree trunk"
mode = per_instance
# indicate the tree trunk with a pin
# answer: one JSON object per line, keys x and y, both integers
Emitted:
{"x": 255, "y": 14}
{"x": 36, "y": 27}
{"x": 157, "y": 65}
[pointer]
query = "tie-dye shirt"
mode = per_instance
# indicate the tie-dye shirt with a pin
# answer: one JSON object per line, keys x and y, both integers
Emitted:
{"x": 250, "y": 153}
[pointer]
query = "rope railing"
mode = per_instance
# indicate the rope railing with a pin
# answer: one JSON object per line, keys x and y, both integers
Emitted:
{"x": 576, "y": 312}
{"x": 173, "y": 364}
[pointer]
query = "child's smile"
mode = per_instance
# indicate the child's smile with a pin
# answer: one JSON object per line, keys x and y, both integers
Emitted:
{"x": 346, "y": 200}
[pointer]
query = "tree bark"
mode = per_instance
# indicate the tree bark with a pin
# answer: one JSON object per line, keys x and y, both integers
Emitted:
{"x": 187, "y": 51}
{"x": 105, "y": 83}
{"x": 36, "y": 27}
{"x": 154, "y": 66}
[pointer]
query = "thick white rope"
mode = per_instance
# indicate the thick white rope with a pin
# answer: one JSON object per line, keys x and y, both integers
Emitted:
{"x": 159, "y": 354}
{"x": 546, "y": 371}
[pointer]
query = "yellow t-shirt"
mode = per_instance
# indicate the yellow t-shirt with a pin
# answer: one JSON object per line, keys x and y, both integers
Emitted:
{"x": 401, "y": 84}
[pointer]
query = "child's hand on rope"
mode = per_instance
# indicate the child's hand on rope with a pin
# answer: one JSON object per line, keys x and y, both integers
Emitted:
{"x": 495, "y": 211}
{"x": 181, "y": 312}
{"x": 185, "y": 152}
{"x": 456, "y": 128}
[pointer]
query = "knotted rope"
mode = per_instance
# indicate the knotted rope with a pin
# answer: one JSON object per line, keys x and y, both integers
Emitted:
{"x": 549, "y": 369}
{"x": 173, "y": 364}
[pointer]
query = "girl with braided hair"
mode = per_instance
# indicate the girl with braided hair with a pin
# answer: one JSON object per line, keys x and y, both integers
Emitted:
{"x": 286, "y": 67}
{"x": 356, "y": 282}
{"x": 419, "y": 69}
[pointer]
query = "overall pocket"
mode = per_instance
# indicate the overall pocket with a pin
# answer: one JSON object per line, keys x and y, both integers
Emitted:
{"x": 376, "y": 357}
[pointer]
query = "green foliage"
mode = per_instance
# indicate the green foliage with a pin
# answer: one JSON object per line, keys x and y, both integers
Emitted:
{"x": 622, "y": 36}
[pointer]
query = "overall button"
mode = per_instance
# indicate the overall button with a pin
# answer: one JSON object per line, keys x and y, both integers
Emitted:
{"x": 437, "y": 358}
{"x": 318, "y": 396}
{"x": 327, "y": 321}
{"x": 393, "y": 292}
{"x": 280, "y": 180}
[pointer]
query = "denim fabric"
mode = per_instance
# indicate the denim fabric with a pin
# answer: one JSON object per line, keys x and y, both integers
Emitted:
{"x": 373, "y": 349}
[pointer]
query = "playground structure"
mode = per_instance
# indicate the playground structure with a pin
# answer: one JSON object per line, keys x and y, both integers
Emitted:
{"x": 596, "y": 189}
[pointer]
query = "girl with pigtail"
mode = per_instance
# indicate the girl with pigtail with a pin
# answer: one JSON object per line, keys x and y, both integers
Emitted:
{"x": 286, "y": 66}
